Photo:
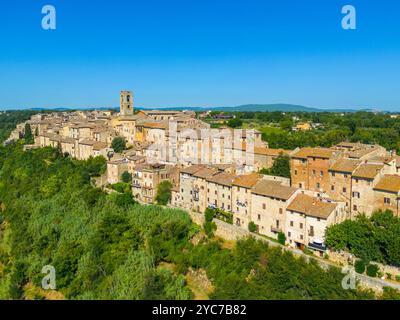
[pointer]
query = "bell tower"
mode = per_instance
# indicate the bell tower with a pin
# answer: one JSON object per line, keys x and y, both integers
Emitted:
{"x": 126, "y": 103}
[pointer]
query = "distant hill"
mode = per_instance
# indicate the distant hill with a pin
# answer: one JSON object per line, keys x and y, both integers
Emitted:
{"x": 282, "y": 107}
{"x": 264, "y": 108}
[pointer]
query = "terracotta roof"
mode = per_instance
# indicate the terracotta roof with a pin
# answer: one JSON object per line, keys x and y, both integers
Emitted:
{"x": 313, "y": 152}
{"x": 311, "y": 206}
{"x": 367, "y": 171}
{"x": 192, "y": 169}
{"x": 68, "y": 140}
{"x": 273, "y": 189}
{"x": 222, "y": 178}
{"x": 345, "y": 165}
{"x": 205, "y": 173}
{"x": 247, "y": 181}
{"x": 357, "y": 154}
{"x": 269, "y": 151}
{"x": 390, "y": 183}
{"x": 155, "y": 125}
{"x": 98, "y": 145}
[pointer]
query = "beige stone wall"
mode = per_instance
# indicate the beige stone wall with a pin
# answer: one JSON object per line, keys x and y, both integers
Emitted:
{"x": 241, "y": 206}
{"x": 379, "y": 201}
{"x": 365, "y": 202}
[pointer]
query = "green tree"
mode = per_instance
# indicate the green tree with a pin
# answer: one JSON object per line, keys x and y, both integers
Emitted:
{"x": 126, "y": 177}
{"x": 281, "y": 238}
{"x": 118, "y": 144}
{"x": 252, "y": 226}
{"x": 28, "y": 134}
{"x": 235, "y": 123}
{"x": 280, "y": 168}
{"x": 164, "y": 192}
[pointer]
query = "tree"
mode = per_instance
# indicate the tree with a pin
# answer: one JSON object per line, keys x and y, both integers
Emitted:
{"x": 280, "y": 168}
{"x": 126, "y": 177}
{"x": 281, "y": 238}
{"x": 28, "y": 134}
{"x": 252, "y": 226}
{"x": 164, "y": 192}
{"x": 235, "y": 123}
{"x": 118, "y": 144}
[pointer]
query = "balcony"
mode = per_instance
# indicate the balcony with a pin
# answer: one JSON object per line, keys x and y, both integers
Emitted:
{"x": 276, "y": 229}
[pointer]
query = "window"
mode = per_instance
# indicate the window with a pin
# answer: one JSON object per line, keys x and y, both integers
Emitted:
{"x": 215, "y": 192}
{"x": 300, "y": 185}
{"x": 301, "y": 237}
{"x": 344, "y": 190}
{"x": 301, "y": 225}
{"x": 321, "y": 173}
{"x": 264, "y": 206}
{"x": 345, "y": 176}
{"x": 289, "y": 234}
{"x": 259, "y": 217}
{"x": 313, "y": 172}
{"x": 229, "y": 207}
{"x": 291, "y": 223}
{"x": 354, "y": 208}
{"x": 280, "y": 210}
{"x": 295, "y": 172}
{"x": 332, "y": 188}
{"x": 386, "y": 200}
{"x": 333, "y": 174}
{"x": 318, "y": 185}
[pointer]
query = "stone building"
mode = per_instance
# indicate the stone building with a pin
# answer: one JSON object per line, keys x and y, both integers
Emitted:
{"x": 269, "y": 200}
{"x": 308, "y": 217}
{"x": 242, "y": 198}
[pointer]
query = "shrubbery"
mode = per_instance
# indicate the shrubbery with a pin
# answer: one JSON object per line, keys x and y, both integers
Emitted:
{"x": 371, "y": 239}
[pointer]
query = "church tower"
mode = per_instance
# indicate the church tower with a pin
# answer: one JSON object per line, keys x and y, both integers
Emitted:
{"x": 126, "y": 103}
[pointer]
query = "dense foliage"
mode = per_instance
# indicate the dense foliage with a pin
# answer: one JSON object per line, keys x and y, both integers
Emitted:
{"x": 9, "y": 120}
{"x": 280, "y": 168}
{"x": 371, "y": 239}
{"x": 329, "y": 128}
{"x": 164, "y": 192}
{"x": 118, "y": 144}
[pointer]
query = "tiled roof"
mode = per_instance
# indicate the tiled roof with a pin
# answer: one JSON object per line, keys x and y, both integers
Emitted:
{"x": 269, "y": 151}
{"x": 222, "y": 178}
{"x": 367, "y": 171}
{"x": 313, "y": 152}
{"x": 205, "y": 173}
{"x": 98, "y": 145}
{"x": 311, "y": 206}
{"x": 344, "y": 165}
{"x": 357, "y": 154}
{"x": 247, "y": 181}
{"x": 273, "y": 189}
{"x": 192, "y": 169}
{"x": 390, "y": 183}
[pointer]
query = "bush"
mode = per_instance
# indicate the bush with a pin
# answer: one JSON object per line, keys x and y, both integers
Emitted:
{"x": 164, "y": 192}
{"x": 397, "y": 278}
{"x": 359, "y": 266}
{"x": 281, "y": 238}
{"x": 118, "y": 144}
{"x": 372, "y": 270}
{"x": 126, "y": 177}
{"x": 252, "y": 226}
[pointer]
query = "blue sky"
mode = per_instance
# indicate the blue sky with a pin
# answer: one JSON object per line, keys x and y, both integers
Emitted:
{"x": 200, "y": 53}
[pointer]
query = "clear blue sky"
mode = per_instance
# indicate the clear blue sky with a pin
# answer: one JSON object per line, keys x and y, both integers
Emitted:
{"x": 200, "y": 53}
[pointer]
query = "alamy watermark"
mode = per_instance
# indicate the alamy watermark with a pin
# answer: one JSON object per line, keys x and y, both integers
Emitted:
{"x": 49, "y": 21}
{"x": 349, "y": 21}
{"x": 49, "y": 281}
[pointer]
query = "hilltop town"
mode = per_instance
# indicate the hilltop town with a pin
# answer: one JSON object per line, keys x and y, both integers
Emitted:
{"x": 220, "y": 169}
